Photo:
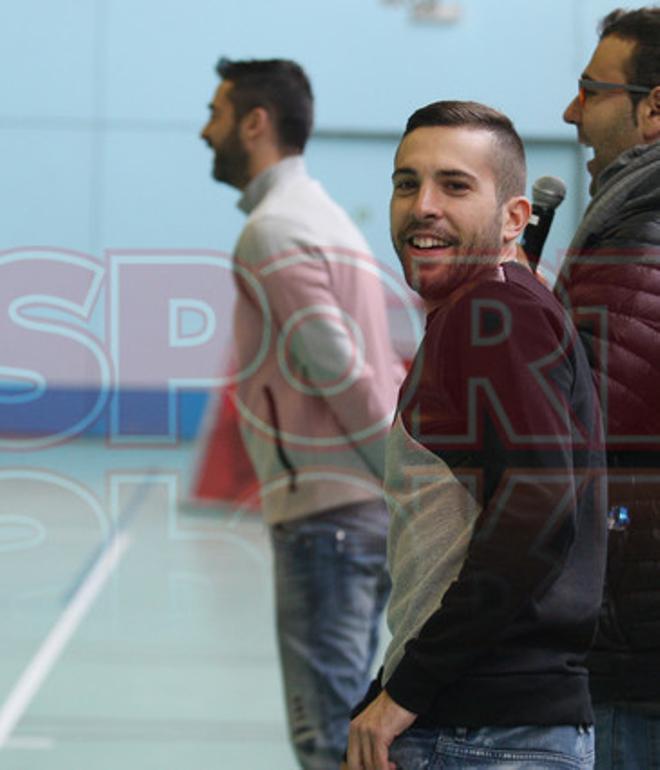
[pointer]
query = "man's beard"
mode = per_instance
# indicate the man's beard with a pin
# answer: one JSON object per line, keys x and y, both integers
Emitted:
{"x": 482, "y": 251}
{"x": 231, "y": 162}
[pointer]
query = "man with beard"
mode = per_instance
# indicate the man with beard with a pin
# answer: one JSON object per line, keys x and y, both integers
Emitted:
{"x": 496, "y": 545}
{"x": 610, "y": 280}
{"x": 316, "y": 391}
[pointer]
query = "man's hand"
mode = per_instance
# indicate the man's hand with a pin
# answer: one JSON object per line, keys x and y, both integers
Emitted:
{"x": 372, "y": 732}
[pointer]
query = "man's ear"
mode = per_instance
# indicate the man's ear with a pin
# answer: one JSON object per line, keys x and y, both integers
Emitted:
{"x": 648, "y": 116}
{"x": 255, "y": 124}
{"x": 515, "y": 215}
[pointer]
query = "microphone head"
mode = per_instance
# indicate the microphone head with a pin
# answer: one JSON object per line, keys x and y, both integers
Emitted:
{"x": 548, "y": 192}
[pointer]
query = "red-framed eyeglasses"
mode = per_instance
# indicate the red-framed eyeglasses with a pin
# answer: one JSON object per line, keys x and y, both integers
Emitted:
{"x": 586, "y": 87}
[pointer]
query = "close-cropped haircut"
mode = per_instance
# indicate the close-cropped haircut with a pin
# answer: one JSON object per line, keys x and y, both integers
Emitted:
{"x": 508, "y": 159}
{"x": 279, "y": 86}
{"x": 642, "y": 27}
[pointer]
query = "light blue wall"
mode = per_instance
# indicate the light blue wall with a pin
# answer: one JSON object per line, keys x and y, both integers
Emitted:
{"x": 102, "y": 102}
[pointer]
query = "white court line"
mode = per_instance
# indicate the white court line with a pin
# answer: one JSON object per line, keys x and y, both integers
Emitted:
{"x": 53, "y": 646}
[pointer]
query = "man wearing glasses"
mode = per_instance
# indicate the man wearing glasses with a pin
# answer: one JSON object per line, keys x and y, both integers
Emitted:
{"x": 610, "y": 280}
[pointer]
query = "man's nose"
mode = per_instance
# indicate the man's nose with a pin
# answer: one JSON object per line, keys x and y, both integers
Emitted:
{"x": 573, "y": 112}
{"x": 428, "y": 202}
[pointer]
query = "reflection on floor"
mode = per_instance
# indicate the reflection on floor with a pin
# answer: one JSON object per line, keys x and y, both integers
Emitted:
{"x": 137, "y": 633}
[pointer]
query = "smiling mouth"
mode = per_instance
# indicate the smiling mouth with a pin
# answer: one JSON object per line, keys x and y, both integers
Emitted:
{"x": 591, "y": 158}
{"x": 585, "y": 143}
{"x": 429, "y": 242}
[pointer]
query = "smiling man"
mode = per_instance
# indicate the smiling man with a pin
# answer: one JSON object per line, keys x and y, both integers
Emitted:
{"x": 439, "y": 255}
{"x": 618, "y": 102}
{"x": 496, "y": 544}
{"x": 610, "y": 281}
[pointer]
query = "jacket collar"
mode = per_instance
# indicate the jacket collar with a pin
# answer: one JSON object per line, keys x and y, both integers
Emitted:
{"x": 617, "y": 186}
{"x": 257, "y": 189}
{"x": 632, "y": 158}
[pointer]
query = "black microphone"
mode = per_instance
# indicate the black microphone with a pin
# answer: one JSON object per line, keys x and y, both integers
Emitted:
{"x": 547, "y": 193}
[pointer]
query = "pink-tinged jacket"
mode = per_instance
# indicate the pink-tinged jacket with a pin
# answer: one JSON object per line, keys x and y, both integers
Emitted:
{"x": 318, "y": 377}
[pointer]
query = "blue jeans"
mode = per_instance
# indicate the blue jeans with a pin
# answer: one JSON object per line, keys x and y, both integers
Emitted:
{"x": 626, "y": 738}
{"x": 331, "y": 586}
{"x": 494, "y": 748}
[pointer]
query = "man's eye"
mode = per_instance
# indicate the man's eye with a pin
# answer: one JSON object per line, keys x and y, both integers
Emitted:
{"x": 404, "y": 185}
{"x": 457, "y": 187}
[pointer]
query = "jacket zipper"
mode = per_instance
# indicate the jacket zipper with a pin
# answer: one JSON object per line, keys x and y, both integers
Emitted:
{"x": 281, "y": 452}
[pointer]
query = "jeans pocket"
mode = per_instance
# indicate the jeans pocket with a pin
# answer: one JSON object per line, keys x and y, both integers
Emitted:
{"x": 513, "y": 748}
{"x": 414, "y": 749}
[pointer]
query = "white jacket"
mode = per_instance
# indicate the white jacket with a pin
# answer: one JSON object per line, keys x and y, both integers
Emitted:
{"x": 318, "y": 377}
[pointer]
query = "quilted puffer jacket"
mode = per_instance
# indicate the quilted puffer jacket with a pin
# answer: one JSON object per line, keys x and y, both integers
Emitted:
{"x": 610, "y": 281}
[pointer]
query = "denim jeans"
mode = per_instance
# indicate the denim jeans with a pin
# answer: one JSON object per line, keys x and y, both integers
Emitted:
{"x": 626, "y": 738}
{"x": 494, "y": 748}
{"x": 331, "y": 586}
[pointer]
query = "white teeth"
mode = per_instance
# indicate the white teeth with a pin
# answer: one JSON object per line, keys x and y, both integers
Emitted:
{"x": 427, "y": 243}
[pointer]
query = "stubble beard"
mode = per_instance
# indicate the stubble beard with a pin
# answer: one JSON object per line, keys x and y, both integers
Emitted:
{"x": 231, "y": 162}
{"x": 482, "y": 251}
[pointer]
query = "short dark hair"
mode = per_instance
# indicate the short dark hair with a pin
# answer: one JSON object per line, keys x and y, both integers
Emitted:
{"x": 642, "y": 27}
{"x": 280, "y": 86}
{"x": 509, "y": 156}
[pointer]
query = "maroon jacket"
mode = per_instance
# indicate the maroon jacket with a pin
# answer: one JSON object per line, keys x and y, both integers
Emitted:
{"x": 610, "y": 281}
